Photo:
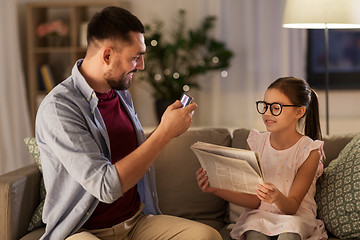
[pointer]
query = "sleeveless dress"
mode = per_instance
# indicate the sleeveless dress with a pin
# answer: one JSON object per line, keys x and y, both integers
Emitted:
{"x": 280, "y": 168}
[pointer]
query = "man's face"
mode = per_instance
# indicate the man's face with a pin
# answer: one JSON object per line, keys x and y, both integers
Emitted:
{"x": 126, "y": 62}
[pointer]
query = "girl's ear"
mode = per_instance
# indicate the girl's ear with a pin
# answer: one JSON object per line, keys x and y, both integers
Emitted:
{"x": 301, "y": 111}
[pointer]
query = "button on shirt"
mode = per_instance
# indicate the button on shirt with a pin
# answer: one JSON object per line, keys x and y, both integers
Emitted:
{"x": 75, "y": 156}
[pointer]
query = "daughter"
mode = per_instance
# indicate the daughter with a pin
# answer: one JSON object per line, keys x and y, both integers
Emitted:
{"x": 284, "y": 206}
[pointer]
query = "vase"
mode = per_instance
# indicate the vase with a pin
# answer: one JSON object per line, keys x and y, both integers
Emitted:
{"x": 160, "y": 107}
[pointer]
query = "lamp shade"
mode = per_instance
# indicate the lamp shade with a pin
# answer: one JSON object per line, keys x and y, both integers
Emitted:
{"x": 320, "y": 14}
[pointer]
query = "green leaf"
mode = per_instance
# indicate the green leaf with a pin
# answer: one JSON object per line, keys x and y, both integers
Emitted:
{"x": 188, "y": 54}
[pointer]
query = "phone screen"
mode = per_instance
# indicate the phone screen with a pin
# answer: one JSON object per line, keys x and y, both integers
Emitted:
{"x": 186, "y": 99}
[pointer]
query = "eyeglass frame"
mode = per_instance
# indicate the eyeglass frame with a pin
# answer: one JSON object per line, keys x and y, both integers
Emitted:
{"x": 270, "y": 104}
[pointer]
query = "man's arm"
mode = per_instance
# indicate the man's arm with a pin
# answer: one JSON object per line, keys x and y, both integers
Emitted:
{"x": 174, "y": 122}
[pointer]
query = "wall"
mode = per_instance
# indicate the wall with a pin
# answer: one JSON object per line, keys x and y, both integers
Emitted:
{"x": 344, "y": 112}
{"x": 230, "y": 102}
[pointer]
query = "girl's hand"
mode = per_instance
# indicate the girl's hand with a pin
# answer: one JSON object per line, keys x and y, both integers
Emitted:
{"x": 268, "y": 193}
{"x": 203, "y": 182}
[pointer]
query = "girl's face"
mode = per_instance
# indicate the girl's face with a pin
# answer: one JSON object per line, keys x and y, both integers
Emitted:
{"x": 289, "y": 115}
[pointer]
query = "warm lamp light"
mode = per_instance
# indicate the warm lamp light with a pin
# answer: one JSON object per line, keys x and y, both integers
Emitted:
{"x": 319, "y": 14}
{"x": 322, "y": 14}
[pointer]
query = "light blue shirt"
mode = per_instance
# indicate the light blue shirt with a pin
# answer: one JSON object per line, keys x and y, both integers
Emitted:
{"x": 75, "y": 157}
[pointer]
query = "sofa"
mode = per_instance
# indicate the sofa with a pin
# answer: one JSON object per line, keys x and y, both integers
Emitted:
{"x": 178, "y": 192}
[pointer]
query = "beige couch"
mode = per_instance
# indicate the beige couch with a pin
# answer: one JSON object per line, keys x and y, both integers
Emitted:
{"x": 177, "y": 187}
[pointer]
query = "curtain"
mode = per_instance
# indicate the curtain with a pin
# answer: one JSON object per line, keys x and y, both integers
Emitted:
{"x": 14, "y": 116}
{"x": 263, "y": 51}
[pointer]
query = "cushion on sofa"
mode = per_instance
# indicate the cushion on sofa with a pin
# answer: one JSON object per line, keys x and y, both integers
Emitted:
{"x": 338, "y": 193}
{"x": 239, "y": 141}
{"x": 36, "y": 220}
{"x": 239, "y": 138}
{"x": 36, "y": 234}
{"x": 177, "y": 187}
{"x": 333, "y": 144}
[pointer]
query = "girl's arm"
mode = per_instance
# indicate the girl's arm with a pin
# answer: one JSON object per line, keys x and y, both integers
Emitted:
{"x": 238, "y": 198}
{"x": 302, "y": 182}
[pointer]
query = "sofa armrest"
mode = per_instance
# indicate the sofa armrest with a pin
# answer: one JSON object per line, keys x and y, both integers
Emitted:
{"x": 19, "y": 197}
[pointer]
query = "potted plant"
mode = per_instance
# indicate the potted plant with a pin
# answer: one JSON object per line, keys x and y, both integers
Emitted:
{"x": 172, "y": 66}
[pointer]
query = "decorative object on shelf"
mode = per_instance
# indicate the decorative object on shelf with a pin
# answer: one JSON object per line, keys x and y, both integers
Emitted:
{"x": 83, "y": 34}
{"x": 322, "y": 14}
{"x": 46, "y": 77}
{"x": 174, "y": 61}
{"x": 55, "y": 32}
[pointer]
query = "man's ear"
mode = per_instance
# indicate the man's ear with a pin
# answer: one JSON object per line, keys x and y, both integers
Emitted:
{"x": 107, "y": 55}
{"x": 301, "y": 111}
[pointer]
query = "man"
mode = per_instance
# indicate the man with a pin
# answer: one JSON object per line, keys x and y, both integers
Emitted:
{"x": 97, "y": 165}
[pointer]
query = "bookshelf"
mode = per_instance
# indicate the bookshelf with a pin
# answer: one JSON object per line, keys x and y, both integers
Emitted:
{"x": 58, "y": 54}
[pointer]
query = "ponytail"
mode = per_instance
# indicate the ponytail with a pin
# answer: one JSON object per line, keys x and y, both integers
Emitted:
{"x": 312, "y": 122}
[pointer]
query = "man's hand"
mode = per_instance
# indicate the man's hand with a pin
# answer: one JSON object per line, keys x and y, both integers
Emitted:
{"x": 176, "y": 120}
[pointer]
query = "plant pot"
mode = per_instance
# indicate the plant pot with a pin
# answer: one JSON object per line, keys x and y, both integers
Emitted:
{"x": 160, "y": 107}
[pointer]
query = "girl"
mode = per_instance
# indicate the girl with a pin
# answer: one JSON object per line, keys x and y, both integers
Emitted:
{"x": 284, "y": 206}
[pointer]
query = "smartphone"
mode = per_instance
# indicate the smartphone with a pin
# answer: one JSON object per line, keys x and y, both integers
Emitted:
{"x": 186, "y": 99}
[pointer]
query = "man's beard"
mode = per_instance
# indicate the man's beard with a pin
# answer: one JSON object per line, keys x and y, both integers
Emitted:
{"x": 119, "y": 84}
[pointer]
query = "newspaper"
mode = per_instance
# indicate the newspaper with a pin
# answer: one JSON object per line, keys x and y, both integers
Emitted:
{"x": 228, "y": 168}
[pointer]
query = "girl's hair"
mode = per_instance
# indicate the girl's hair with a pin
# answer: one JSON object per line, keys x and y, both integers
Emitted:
{"x": 300, "y": 93}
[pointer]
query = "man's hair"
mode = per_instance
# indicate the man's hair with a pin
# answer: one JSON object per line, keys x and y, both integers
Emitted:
{"x": 113, "y": 23}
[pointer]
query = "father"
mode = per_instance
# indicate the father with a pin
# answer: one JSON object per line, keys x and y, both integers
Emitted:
{"x": 97, "y": 164}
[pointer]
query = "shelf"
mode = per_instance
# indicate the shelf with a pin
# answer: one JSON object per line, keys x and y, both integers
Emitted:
{"x": 58, "y": 56}
{"x": 49, "y": 50}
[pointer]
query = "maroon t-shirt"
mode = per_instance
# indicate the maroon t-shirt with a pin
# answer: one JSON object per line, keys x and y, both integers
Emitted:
{"x": 122, "y": 142}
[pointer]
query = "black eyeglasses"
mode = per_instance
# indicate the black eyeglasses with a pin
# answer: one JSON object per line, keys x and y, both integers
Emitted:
{"x": 275, "y": 108}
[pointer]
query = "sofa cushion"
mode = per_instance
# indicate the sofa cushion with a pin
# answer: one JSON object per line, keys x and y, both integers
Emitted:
{"x": 338, "y": 193}
{"x": 177, "y": 187}
{"x": 239, "y": 141}
{"x": 36, "y": 220}
{"x": 240, "y": 138}
{"x": 333, "y": 144}
{"x": 36, "y": 234}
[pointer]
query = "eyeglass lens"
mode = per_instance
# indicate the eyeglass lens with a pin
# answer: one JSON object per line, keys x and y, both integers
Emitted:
{"x": 275, "y": 108}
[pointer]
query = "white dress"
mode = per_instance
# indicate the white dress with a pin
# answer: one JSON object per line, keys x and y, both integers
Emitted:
{"x": 280, "y": 168}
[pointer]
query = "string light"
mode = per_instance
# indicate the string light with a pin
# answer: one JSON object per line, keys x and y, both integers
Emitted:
{"x": 167, "y": 71}
{"x": 224, "y": 74}
{"x": 186, "y": 88}
{"x": 157, "y": 77}
{"x": 176, "y": 75}
{"x": 153, "y": 43}
{"x": 215, "y": 59}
